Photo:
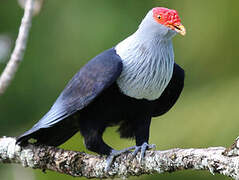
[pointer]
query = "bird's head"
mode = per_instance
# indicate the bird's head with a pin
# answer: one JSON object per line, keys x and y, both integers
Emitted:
{"x": 169, "y": 18}
{"x": 163, "y": 21}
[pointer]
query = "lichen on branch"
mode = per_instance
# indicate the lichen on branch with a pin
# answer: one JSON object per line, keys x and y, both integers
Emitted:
{"x": 79, "y": 164}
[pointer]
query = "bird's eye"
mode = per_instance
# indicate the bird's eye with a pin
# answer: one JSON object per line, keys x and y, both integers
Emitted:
{"x": 159, "y": 17}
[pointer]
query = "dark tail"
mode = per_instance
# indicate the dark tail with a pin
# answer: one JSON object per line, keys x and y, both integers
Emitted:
{"x": 51, "y": 136}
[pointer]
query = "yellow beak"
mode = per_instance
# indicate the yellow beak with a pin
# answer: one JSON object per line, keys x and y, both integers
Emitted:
{"x": 180, "y": 29}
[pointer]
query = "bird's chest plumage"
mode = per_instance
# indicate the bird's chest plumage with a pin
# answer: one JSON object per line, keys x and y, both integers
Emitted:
{"x": 146, "y": 71}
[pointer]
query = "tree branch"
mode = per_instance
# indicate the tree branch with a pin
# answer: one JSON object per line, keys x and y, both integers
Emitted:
{"x": 20, "y": 47}
{"x": 215, "y": 159}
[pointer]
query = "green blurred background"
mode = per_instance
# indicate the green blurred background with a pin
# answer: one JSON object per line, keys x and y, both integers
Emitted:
{"x": 66, "y": 34}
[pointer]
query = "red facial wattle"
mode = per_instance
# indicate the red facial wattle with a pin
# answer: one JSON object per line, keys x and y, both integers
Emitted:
{"x": 169, "y": 18}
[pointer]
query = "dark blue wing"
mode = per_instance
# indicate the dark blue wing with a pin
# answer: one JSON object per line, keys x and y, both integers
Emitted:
{"x": 97, "y": 75}
{"x": 171, "y": 93}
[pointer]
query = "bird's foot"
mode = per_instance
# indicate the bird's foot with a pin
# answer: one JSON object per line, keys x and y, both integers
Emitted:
{"x": 115, "y": 153}
{"x": 145, "y": 146}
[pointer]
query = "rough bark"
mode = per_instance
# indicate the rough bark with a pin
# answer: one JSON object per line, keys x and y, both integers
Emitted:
{"x": 215, "y": 159}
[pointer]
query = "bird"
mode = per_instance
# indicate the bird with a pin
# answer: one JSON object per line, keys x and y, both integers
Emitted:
{"x": 125, "y": 86}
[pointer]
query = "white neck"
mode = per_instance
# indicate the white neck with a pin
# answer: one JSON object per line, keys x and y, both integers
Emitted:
{"x": 148, "y": 62}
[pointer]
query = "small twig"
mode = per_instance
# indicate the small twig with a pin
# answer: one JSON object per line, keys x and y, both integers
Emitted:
{"x": 20, "y": 47}
{"x": 90, "y": 166}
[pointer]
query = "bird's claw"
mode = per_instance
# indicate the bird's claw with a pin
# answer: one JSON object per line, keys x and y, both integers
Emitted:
{"x": 115, "y": 153}
{"x": 145, "y": 146}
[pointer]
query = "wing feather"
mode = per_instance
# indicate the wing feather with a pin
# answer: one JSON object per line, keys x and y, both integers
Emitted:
{"x": 97, "y": 75}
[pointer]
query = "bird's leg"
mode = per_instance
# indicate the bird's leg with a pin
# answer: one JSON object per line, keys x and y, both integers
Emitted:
{"x": 142, "y": 137}
{"x": 94, "y": 142}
